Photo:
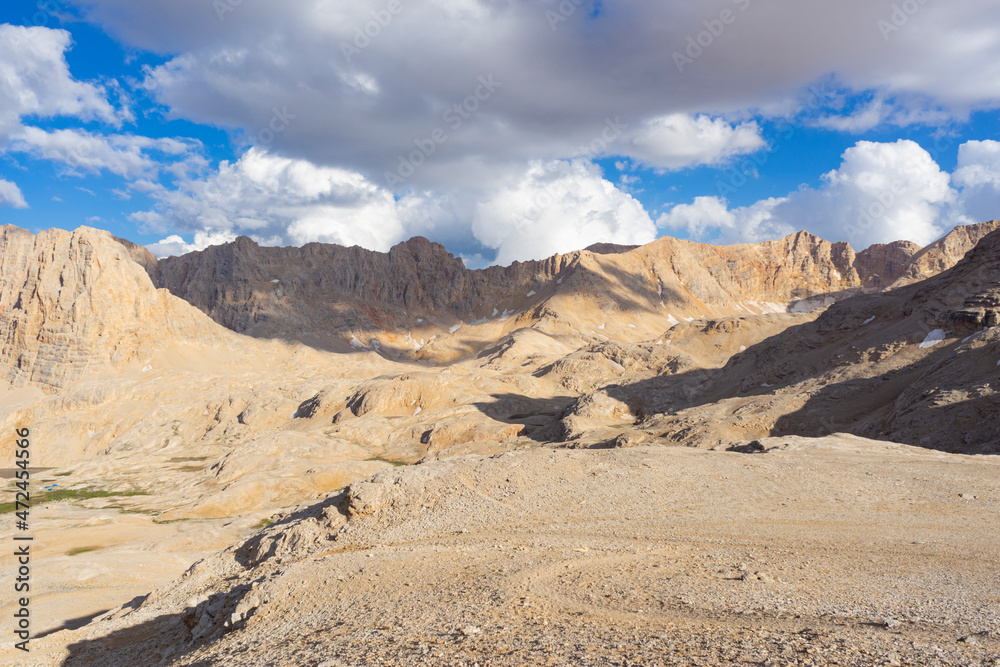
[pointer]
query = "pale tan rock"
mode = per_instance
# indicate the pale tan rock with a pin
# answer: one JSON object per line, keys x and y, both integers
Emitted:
{"x": 75, "y": 303}
{"x": 945, "y": 252}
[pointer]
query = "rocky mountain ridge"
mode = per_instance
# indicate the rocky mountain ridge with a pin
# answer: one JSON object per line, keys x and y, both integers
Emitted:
{"x": 75, "y": 303}
{"x": 333, "y": 297}
{"x": 199, "y": 434}
{"x": 918, "y": 364}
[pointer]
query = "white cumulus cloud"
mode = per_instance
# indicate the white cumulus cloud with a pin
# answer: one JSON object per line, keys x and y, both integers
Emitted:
{"x": 361, "y": 101}
{"x": 10, "y": 195}
{"x": 35, "y": 80}
{"x": 978, "y": 175}
{"x": 558, "y": 207}
{"x": 276, "y": 200}
{"x": 678, "y": 140}
{"x": 881, "y": 192}
{"x": 175, "y": 245}
{"x": 710, "y": 219}
{"x": 126, "y": 155}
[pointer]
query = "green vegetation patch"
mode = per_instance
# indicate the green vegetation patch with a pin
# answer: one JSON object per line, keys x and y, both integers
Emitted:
{"x": 81, "y": 550}
{"x": 71, "y": 494}
{"x": 390, "y": 461}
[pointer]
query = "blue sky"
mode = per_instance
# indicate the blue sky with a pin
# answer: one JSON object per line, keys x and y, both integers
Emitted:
{"x": 506, "y": 131}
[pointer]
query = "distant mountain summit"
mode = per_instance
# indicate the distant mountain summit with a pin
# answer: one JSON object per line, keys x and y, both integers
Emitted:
{"x": 73, "y": 303}
{"x": 409, "y": 300}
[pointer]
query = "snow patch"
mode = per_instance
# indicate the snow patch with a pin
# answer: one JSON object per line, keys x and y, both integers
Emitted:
{"x": 631, "y": 326}
{"x": 456, "y": 327}
{"x": 933, "y": 338}
{"x": 743, "y": 348}
{"x": 357, "y": 344}
{"x": 416, "y": 412}
{"x": 495, "y": 313}
{"x": 868, "y": 321}
{"x": 275, "y": 281}
{"x": 602, "y": 326}
{"x": 147, "y": 368}
{"x": 809, "y": 305}
{"x": 532, "y": 293}
{"x": 672, "y": 320}
{"x": 978, "y": 333}
{"x": 559, "y": 282}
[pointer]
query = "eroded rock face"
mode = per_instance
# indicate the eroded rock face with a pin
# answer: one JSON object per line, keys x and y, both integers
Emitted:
{"x": 73, "y": 303}
{"x": 323, "y": 292}
{"x": 918, "y": 364}
{"x": 883, "y": 263}
{"x": 399, "y": 301}
{"x": 945, "y": 252}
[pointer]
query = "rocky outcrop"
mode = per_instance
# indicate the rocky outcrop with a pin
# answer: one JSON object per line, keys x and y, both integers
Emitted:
{"x": 883, "y": 263}
{"x": 945, "y": 252}
{"x": 75, "y": 303}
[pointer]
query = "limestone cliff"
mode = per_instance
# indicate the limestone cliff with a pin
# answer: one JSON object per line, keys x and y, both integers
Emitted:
{"x": 331, "y": 296}
{"x": 918, "y": 364}
{"x": 75, "y": 303}
{"x": 945, "y": 252}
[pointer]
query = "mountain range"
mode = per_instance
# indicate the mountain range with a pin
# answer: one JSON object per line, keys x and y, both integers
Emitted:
{"x": 221, "y": 385}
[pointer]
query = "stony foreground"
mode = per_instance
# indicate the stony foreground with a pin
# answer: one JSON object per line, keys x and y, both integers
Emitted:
{"x": 819, "y": 551}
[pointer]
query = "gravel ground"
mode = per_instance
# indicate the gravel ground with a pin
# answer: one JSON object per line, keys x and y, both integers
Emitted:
{"x": 825, "y": 553}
